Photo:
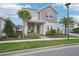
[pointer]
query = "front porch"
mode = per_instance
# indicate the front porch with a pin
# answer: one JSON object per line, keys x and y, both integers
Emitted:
{"x": 36, "y": 27}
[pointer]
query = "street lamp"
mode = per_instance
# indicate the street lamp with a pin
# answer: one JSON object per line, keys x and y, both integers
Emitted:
{"x": 67, "y": 5}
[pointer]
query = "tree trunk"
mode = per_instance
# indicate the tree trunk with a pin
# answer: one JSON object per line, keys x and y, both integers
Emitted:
{"x": 24, "y": 32}
{"x": 23, "y": 29}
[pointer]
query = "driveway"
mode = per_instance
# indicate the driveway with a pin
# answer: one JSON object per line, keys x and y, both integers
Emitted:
{"x": 72, "y": 50}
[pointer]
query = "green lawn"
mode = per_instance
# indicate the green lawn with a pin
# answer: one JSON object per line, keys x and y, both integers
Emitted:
{"x": 4, "y": 47}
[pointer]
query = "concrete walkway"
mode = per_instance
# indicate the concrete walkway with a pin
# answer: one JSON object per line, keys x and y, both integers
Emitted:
{"x": 29, "y": 40}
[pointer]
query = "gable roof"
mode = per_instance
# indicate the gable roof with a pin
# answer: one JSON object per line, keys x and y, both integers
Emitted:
{"x": 48, "y": 6}
{"x": 2, "y": 18}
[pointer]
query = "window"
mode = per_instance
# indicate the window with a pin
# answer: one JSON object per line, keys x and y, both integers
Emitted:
{"x": 71, "y": 26}
{"x": 46, "y": 15}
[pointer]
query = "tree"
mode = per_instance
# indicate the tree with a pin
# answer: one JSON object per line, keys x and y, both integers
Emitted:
{"x": 66, "y": 22}
{"x": 8, "y": 28}
{"x": 25, "y": 16}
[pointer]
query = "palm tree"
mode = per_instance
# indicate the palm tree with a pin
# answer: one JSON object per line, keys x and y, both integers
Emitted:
{"x": 66, "y": 22}
{"x": 25, "y": 16}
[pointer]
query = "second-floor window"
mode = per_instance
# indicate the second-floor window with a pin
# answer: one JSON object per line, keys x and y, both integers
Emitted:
{"x": 48, "y": 15}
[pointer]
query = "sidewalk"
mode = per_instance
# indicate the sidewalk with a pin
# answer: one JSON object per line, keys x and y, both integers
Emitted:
{"x": 29, "y": 40}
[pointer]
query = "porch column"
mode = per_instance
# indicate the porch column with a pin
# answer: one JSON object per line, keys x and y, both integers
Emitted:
{"x": 35, "y": 28}
{"x": 41, "y": 29}
{"x": 44, "y": 29}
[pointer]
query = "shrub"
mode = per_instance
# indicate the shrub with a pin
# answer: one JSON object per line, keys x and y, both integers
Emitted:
{"x": 8, "y": 28}
{"x": 59, "y": 33}
{"x": 16, "y": 34}
{"x": 51, "y": 32}
{"x": 54, "y": 32}
{"x": 32, "y": 36}
{"x": 76, "y": 30}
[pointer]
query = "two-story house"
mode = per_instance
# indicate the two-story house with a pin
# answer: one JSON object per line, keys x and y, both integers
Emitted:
{"x": 42, "y": 20}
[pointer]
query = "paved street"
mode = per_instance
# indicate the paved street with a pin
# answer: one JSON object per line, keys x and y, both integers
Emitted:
{"x": 72, "y": 50}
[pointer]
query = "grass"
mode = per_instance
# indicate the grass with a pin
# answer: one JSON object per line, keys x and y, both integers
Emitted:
{"x": 5, "y": 47}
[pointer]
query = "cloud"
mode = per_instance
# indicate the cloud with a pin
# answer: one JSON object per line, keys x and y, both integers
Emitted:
{"x": 58, "y": 4}
{"x": 28, "y": 6}
{"x": 75, "y": 18}
{"x": 10, "y": 9}
{"x": 73, "y": 7}
{"x": 13, "y": 6}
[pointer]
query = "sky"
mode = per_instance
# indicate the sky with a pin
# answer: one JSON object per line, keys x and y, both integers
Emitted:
{"x": 10, "y": 10}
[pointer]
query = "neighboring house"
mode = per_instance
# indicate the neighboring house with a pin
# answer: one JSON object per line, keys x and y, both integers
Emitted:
{"x": 2, "y": 22}
{"x": 74, "y": 25}
{"x": 15, "y": 27}
{"x": 71, "y": 26}
{"x": 42, "y": 20}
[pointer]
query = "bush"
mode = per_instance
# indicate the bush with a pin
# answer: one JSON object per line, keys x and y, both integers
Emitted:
{"x": 32, "y": 36}
{"x": 59, "y": 33}
{"x": 51, "y": 32}
{"x": 76, "y": 30}
{"x": 16, "y": 34}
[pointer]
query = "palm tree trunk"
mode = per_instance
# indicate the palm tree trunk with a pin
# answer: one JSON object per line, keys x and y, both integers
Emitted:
{"x": 24, "y": 33}
{"x": 23, "y": 29}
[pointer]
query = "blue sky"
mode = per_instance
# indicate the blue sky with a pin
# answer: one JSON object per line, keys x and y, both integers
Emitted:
{"x": 9, "y": 10}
